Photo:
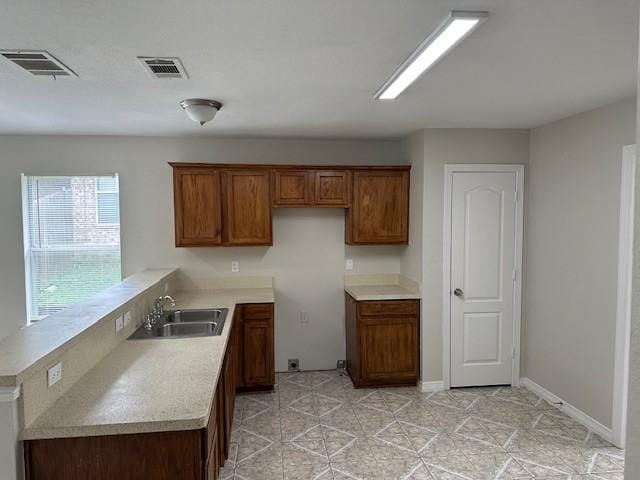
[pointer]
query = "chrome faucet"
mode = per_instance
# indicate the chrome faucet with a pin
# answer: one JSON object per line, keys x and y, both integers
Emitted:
{"x": 158, "y": 306}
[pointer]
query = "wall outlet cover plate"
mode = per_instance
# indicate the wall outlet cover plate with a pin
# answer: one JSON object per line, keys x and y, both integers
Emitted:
{"x": 54, "y": 374}
{"x": 294, "y": 364}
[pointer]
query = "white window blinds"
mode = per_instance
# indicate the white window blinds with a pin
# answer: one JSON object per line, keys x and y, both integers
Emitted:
{"x": 72, "y": 240}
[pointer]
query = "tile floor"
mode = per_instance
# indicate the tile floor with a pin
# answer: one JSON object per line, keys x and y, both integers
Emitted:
{"x": 315, "y": 425}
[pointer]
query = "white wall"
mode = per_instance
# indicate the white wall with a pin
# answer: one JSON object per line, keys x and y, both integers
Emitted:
{"x": 307, "y": 259}
{"x": 440, "y": 147}
{"x": 572, "y": 203}
{"x": 632, "y": 463}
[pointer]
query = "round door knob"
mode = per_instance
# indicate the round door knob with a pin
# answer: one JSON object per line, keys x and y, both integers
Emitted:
{"x": 458, "y": 292}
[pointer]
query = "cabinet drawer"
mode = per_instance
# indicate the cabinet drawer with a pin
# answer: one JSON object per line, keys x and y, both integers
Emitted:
{"x": 258, "y": 311}
{"x": 388, "y": 308}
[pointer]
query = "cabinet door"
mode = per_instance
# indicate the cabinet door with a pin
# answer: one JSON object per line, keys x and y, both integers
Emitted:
{"x": 247, "y": 207}
{"x": 197, "y": 207}
{"x": 291, "y": 188}
{"x": 258, "y": 352}
{"x": 389, "y": 348}
{"x": 380, "y": 209}
{"x": 332, "y": 188}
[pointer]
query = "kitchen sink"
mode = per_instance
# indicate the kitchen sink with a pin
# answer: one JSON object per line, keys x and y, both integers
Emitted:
{"x": 185, "y": 324}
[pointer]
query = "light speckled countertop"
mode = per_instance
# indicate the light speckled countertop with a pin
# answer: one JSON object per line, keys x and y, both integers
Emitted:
{"x": 380, "y": 292}
{"x": 149, "y": 385}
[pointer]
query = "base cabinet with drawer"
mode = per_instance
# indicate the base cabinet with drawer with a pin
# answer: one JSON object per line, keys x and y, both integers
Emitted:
{"x": 383, "y": 342}
{"x": 248, "y": 365}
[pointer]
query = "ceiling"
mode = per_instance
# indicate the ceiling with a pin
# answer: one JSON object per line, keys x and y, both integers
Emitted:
{"x": 310, "y": 67}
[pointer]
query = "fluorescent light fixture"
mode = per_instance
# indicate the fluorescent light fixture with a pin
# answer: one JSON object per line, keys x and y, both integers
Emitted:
{"x": 451, "y": 31}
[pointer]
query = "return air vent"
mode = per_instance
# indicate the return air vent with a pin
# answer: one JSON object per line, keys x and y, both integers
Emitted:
{"x": 38, "y": 62}
{"x": 165, "y": 67}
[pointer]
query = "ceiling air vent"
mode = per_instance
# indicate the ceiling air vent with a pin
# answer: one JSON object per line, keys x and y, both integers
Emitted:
{"x": 38, "y": 62}
{"x": 164, "y": 67}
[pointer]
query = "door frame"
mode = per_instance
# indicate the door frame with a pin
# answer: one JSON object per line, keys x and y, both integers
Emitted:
{"x": 623, "y": 313}
{"x": 449, "y": 171}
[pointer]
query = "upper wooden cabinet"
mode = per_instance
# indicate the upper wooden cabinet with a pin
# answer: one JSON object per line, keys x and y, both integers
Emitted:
{"x": 197, "y": 207}
{"x": 292, "y": 188}
{"x": 311, "y": 188}
{"x": 380, "y": 210}
{"x": 332, "y": 188}
{"x": 247, "y": 203}
{"x": 227, "y": 204}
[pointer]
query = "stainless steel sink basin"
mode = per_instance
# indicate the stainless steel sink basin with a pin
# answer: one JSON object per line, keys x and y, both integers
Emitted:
{"x": 188, "y": 329}
{"x": 185, "y": 324}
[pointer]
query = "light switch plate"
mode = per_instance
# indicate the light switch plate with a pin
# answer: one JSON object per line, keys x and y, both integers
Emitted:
{"x": 119, "y": 323}
{"x": 235, "y": 267}
{"x": 54, "y": 374}
{"x": 349, "y": 264}
{"x": 127, "y": 318}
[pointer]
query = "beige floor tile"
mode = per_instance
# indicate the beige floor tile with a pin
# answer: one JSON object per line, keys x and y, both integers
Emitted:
{"x": 318, "y": 470}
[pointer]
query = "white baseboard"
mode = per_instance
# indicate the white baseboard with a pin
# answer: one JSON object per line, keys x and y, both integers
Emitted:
{"x": 578, "y": 415}
{"x": 431, "y": 386}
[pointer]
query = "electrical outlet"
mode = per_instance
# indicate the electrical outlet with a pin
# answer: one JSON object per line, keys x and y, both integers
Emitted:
{"x": 304, "y": 317}
{"x": 235, "y": 267}
{"x": 341, "y": 364}
{"x": 119, "y": 323}
{"x": 127, "y": 318}
{"x": 54, "y": 374}
{"x": 349, "y": 264}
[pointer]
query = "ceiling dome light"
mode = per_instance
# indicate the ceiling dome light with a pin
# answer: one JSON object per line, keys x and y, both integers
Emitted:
{"x": 201, "y": 110}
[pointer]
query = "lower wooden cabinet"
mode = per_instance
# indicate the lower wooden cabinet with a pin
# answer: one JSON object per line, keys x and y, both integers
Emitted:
{"x": 383, "y": 342}
{"x": 258, "y": 371}
{"x": 248, "y": 364}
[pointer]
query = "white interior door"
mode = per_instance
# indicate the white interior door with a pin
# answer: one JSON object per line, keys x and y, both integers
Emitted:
{"x": 483, "y": 272}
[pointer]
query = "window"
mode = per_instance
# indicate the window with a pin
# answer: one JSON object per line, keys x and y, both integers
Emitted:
{"x": 72, "y": 240}
{"x": 107, "y": 196}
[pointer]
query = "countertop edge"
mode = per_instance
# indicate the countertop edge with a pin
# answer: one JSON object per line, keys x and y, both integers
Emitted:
{"x": 359, "y": 296}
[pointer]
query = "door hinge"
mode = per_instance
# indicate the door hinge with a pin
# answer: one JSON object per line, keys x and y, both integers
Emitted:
{"x": 514, "y": 275}
{"x": 517, "y": 196}
{"x": 513, "y": 354}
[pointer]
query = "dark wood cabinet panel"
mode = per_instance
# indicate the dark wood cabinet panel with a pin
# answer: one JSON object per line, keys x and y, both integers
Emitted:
{"x": 388, "y": 307}
{"x": 258, "y": 353}
{"x": 291, "y": 188}
{"x": 380, "y": 208}
{"x": 161, "y": 456}
{"x": 197, "y": 207}
{"x": 389, "y": 348}
{"x": 256, "y": 363}
{"x": 383, "y": 342}
{"x": 247, "y": 200}
{"x": 332, "y": 188}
